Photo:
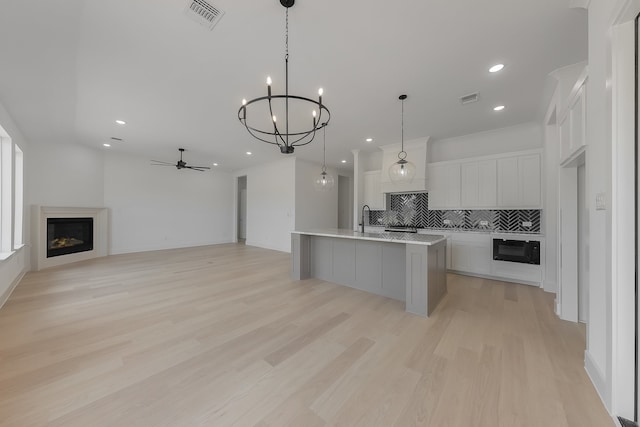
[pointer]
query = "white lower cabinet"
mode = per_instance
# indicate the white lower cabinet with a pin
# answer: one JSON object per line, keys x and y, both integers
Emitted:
{"x": 470, "y": 253}
{"x": 517, "y": 272}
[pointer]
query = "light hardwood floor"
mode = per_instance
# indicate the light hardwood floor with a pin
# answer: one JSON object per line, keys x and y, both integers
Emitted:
{"x": 220, "y": 336}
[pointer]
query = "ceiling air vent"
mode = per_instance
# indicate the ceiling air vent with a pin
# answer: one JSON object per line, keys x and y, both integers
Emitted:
{"x": 468, "y": 99}
{"x": 203, "y": 13}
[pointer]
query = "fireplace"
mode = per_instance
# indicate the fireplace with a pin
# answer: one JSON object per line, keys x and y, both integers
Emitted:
{"x": 44, "y": 219}
{"x": 69, "y": 235}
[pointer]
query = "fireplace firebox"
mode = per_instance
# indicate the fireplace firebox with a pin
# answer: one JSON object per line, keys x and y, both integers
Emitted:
{"x": 69, "y": 235}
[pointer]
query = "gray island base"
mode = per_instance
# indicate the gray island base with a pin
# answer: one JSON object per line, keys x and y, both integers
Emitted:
{"x": 403, "y": 266}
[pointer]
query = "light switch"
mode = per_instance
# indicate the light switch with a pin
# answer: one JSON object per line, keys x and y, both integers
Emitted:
{"x": 601, "y": 204}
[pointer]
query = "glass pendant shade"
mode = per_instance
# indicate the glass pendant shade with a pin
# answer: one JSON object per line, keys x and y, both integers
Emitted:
{"x": 402, "y": 171}
{"x": 324, "y": 182}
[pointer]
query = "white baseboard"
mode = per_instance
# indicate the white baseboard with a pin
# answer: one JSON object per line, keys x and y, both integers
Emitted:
{"x": 151, "y": 248}
{"x": 5, "y": 296}
{"x": 550, "y": 286}
{"x": 268, "y": 246}
{"x": 597, "y": 377}
{"x": 490, "y": 277}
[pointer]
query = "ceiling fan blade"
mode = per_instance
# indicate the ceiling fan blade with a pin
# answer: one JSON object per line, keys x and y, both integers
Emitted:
{"x": 197, "y": 168}
{"x": 159, "y": 163}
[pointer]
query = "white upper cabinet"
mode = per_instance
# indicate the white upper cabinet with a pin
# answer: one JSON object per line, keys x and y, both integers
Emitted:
{"x": 572, "y": 122}
{"x": 529, "y": 181}
{"x": 444, "y": 183}
{"x": 519, "y": 182}
{"x": 372, "y": 191}
{"x": 479, "y": 184}
{"x": 508, "y": 182}
{"x": 417, "y": 154}
{"x": 511, "y": 181}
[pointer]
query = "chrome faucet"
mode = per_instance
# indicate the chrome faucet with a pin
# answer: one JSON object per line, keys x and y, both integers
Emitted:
{"x": 362, "y": 225}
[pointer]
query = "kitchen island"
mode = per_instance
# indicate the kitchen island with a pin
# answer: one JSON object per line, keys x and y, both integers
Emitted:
{"x": 404, "y": 266}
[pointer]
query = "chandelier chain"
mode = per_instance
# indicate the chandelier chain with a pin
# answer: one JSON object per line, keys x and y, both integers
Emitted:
{"x": 286, "y": 36}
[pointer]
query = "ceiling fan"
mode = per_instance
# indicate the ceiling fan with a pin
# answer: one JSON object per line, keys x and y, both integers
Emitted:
{"x": 180, "y": 164}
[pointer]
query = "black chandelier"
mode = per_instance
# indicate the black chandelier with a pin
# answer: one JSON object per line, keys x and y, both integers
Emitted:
{"x": 284, "y": 135}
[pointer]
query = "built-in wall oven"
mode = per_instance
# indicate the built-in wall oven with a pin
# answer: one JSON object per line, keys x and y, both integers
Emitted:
{"x": 523, "y": 251}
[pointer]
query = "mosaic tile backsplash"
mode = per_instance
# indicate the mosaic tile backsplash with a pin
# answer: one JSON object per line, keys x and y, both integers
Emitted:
{"x": 412, "y": 209}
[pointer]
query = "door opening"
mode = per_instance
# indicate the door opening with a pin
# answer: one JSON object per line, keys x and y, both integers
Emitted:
{"x": 345, "y": 203}
{"x": 242, "y": 209}
{"x": 583, "y": 247}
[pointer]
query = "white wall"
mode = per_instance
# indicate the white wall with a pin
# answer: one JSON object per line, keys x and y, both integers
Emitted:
{"x": 622, "y": 255}
{"x": 516, "y": 138}
{"x": 68, "y": 175}
{"x": 271, "y": 204}
{"x": 155, "y": 207}
{"x": 609, "y": 100}
{"x": 314, "y": 209}
{"x": 550, "y": 211}
{"x": 562, "y": 82}
{"x": 14, "y": 267}
{"x": 371, "y": 160}
{"x": 598, "y": 171}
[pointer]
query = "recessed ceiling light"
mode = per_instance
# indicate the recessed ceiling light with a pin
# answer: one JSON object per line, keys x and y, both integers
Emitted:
{"x": 344, "y": 161}
{"x": 215, "y": 164}
{"x": 369, "y": 139}
{"x": 249, "y": 153}
{"x": 498, "y": 108}
{"x": 106, "y": 145}
{"x": 496, "y": 68}
{"x": 121, "y": 122}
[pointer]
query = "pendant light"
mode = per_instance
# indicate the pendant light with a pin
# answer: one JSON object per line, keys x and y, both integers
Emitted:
{"x": 325, "y": 181}
{"x": 403, "y": 170}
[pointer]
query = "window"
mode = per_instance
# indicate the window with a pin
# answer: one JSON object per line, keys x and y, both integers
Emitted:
{"x": 11, "y": 195}
{"x": 6, "y": 195}
{"x": 18, "y": 198}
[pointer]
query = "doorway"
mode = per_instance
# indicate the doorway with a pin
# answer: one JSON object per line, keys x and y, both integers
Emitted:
{"x": 345, "y": 203}
{"x": 583, "y": 246}
{"x": 241, "y": 210}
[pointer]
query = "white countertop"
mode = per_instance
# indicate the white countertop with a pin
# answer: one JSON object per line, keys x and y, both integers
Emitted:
{"x": 389, "y": 237}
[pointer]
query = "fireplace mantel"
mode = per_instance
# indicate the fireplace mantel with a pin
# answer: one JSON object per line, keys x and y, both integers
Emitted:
{"x": 39, "y": 215}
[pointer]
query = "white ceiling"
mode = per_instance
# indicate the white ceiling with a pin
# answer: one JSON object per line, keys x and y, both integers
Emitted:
{"x": 70, "y": 68}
